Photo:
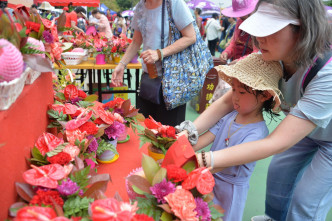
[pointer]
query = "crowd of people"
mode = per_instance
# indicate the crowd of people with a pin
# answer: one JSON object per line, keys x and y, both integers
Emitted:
{"x": 276, "y": 56}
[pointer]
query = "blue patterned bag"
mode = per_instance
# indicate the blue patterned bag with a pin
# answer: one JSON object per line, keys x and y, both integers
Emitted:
{"x": 184, "y": 72}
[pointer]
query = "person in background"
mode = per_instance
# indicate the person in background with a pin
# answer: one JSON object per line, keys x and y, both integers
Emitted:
{"x": 46, "y": 10}
{"x": 34, "y": 9}
{"x": 213, "y": 30}
{"x": 255, "y": 89}
{"x": 199, "y": 20}
{"x": 81, "y": 23}
{"x": 153, "y": 53}
{"x": 119, "y": 25}
{"x": 241, "y": 43}
{"x": 109, "y": 16}
{"x": 103, "y": 23}
{"x": 299, "y": 177}
{"x": 71, "y": 18}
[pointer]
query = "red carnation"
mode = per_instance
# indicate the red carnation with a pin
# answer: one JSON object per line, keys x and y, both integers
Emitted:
{"x": 45, "y": 198}
{"x": 176, "y": 173}
{"x": 141, "y": 217}
{"x": 89, "y": 127}
{"x": 113, "y": 49}
{"x": 99, "y": 121}
{"x": 169, "y": 132}
{"x": 82, "y": 94}
{"x": 61, "y": 158}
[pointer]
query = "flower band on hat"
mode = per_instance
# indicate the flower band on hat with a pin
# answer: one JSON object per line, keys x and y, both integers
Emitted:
{"x": 267, "y": 20}
{"x": 256, "y": 73}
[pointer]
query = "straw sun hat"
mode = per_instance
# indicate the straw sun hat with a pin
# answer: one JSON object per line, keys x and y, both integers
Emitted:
{"x": 256, "y": 73}
{"x": 46, "y": 6}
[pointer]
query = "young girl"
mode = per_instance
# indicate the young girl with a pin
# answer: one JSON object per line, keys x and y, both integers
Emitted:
{"x": 255, "y": 89}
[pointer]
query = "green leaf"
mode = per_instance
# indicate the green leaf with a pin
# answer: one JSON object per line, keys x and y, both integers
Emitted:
{"x": 148, "y": 206}
{"x": 166, "y": 217}
{"x": 77, "y": 206}
{"x": 41, "y": 30}
{"x": 189, "y": 166}
{"x": 150, "y": 167}
{"x": 104, "y": 145}
{"x": 160, "y": 175}
{"x": 36, "y": 154}
{"x": 22, "y": 32}
{"x": 215, "y": 214}
{"x": 140, "y": 182}
{"x": 61, "y": 96}
{"x": 91, "y": 98}
{"x": 138, "y": 190}
{"x": 81, "y": 177}
{"x": 57, "y": 150}
{"x": 85, "y": 104}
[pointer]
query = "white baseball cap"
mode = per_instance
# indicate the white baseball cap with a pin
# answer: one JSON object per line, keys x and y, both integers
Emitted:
{"x": 267, "y": 20}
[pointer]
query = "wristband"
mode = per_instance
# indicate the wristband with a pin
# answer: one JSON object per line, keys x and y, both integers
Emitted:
{"x": 124, "y": 64}
{"x": 211, "y": 159}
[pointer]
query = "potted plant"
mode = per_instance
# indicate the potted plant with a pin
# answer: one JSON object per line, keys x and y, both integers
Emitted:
{"x": 160, "y": 137}
{"x": 118, "y": 47}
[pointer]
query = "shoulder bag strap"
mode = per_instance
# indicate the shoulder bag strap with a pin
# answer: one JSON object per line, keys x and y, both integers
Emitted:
{"x": 319, "y": 64}
{"x": 245, "y": 46}
{"x": 162, "y": 32}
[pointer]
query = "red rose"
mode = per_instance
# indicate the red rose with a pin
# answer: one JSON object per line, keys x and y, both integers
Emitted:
{"x": 113, "y": 49}
{"x": 176, "y": 173}
{"x": 89, "y": 127}
{"x": 61, "y": 158}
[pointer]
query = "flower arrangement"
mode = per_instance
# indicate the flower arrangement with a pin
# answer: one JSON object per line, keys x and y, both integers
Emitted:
{"x": 119, "y": 44}
{"x": 160, "y": 136}
{"x": 126, "y": 110}
{"x": 99, "y": 43}
{"x": 175, "y": 193}
{"x": 82, "y": 41}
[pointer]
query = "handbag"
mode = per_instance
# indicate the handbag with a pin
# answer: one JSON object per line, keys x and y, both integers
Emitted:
{"x": 184, "y": 72}
{"x": 225, "y": 41}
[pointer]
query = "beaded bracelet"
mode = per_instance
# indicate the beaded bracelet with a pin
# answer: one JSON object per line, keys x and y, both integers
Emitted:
{"x": 204, "y": 159}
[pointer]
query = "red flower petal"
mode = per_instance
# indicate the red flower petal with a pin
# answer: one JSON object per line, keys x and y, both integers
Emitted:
{"x": 106, "y": 116}
{"x": 71, "y": 92}
{"x": 35, "y": 213}
{"x": 47, "y": 142}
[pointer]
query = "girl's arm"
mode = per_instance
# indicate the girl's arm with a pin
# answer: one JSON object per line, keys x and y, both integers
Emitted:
{"x": 214, "y": 112}
{"x": 290, "y": 131}
{"x": 204, "y": 140}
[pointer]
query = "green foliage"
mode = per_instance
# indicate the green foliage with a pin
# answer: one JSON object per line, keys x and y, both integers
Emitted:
{"x": 104, "y": 145}
{"x": 31, "y": 49}
{"x": 77, "y": 206}
{"x": 328, "y": 3}
{"x": 37, "y": 158}
{"x": 149, "y": 206}
{"x": 57, "y": 150}
{"x": 61, "y": 96}
{"x": 215, "y": 214}
{"x": 81, "y": 177}
{"x": 56, "y": 117}
{"x": 85, "y": 104}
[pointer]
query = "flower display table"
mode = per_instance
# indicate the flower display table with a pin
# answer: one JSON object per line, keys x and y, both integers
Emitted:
{"x": 20, "y": 126}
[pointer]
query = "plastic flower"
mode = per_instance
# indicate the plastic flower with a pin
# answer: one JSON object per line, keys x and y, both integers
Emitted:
{"x": 176, "y": 173}
{"x": 162, "y": 189}
{"x": 202, "y": 209}
{"x": 201, "y": 178}
{"x": 68, "y": 187}
{"x": 45, "y": 198}
{"x": 48, "y": 37}
{"x": 115, "y": 130}
{"x": 89, "y": 127}
{"x": 47, "y": 142}
{"x": 112, "y": 210}
{"x": 93, "y": 146}
{"x": 45, "y": 176}
{"x": 61, "y": 158}
{"x": 182, "y": 204}
{"x": 35, "y": 213}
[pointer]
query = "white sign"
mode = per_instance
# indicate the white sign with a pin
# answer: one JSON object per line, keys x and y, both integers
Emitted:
{"x": 27, "y": 3}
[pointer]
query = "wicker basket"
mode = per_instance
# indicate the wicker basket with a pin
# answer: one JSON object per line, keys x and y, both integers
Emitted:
{"x": 9, "y": 91}
{"x": 73, "y": 58}
{"x": 32, "y": 75}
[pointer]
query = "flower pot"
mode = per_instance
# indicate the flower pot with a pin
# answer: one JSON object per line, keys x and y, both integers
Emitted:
{"x": 155, "y": 153}
{"x": 108, "y": 156}
{"x": 116, "y": 59}
{"x": 100, "y": 59}
{"x": 124, "y": 137}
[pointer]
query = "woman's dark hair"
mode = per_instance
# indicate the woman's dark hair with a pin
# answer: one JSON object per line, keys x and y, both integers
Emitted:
{"x": 215, "y": 15}
{"x": 198, "y": 10}
{"x": 80, "y": 9}
{"x": 95, "y": 11}
{"x": 268, "y": 105}
{"x": 34, "y": 6}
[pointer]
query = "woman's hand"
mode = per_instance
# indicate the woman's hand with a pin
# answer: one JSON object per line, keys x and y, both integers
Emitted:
{"x": 223, "y": 58}
{"x": 117, "y": 75}
{"x": 149, "y": 56}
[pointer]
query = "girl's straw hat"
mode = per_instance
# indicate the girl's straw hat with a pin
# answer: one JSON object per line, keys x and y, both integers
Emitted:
{"x": 256, "y": 73}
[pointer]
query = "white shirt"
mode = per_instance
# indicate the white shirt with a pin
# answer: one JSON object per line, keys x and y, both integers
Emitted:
{"x": 212, "y": 29}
